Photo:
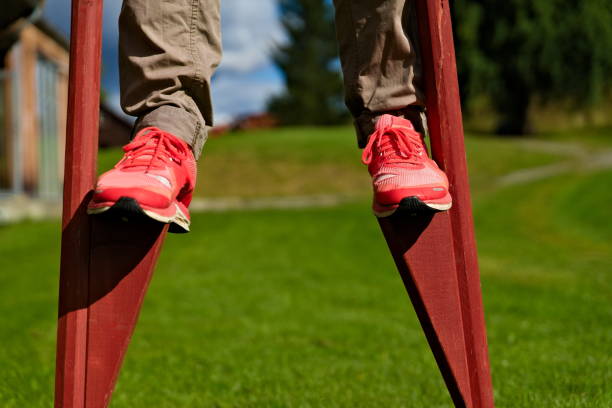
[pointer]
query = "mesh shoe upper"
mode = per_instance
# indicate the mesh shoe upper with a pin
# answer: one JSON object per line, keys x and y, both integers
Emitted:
{"x": 157, "y": 169}
{"x": 399, "y": 165}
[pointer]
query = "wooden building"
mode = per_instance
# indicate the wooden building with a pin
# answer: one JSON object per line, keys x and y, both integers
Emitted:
{"x": 33, "y": 103}
{"x": 33, "y": 107}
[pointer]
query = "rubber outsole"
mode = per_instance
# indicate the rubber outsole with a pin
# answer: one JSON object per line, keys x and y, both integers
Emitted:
{"x": 127, "y": 209}
{"x": 413, "y": 205}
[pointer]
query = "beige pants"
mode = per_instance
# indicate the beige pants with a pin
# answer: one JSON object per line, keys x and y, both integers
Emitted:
{"x": 168, "y": 51}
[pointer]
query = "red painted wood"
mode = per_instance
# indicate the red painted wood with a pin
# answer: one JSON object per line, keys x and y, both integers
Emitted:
{"x": 437, "y": 258}
{"x": 105, "y": 266}
{"x": 79, "y": 176}
{"x": 425, "y": 259}
{"x": 122, "y": 263}
{"x": 446, "y": 129}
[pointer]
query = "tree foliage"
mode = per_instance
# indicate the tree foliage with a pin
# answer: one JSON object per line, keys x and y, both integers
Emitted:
{"x": 308, "y": 61}
{"x": 515, "y": 51}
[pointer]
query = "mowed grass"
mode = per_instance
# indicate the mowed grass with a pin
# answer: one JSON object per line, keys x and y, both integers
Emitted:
{"x": 304, "y": 308}
{"x": 304, "y": 161}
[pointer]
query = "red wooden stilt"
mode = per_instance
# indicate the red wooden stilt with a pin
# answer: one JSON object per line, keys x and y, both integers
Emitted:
{"x": 436, "y": 256}
{"x": 105, "y": 265}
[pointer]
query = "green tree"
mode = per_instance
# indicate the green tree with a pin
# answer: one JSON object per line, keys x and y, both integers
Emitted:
{"x": 308, "y": 61}
{"x": 517, "y": 51}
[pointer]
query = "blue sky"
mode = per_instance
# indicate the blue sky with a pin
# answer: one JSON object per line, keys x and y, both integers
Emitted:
{"x": 245, "y": 79}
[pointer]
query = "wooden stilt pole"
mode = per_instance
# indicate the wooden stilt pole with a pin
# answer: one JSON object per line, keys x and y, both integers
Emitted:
{"x": 436, "y": 255}
{"x": 105, "y": 266}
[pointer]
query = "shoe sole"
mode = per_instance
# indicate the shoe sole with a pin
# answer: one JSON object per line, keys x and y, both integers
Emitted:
{"x": 412, "y": 205}
{"x": 128, "y": 209}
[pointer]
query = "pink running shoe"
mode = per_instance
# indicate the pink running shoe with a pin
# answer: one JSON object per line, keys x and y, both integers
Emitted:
{"x": 403, "y": 176}
{"x": 155, "y": 178}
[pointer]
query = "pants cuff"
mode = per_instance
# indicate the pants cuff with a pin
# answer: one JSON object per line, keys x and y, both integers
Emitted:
{"x": 366, "y": 122}
{"x": 178, "y": 122}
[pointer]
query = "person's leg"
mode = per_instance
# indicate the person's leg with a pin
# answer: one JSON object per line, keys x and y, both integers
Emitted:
{"x": 382, "y": 78}
{"x": 168, "y": 51}
{"x": 380, "y": 61}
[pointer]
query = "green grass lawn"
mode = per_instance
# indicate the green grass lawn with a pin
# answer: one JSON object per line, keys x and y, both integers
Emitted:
{"x": 304, "y": 161}
{"x": 304, "y": 308}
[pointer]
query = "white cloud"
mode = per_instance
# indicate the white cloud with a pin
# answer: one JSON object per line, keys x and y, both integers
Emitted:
{"x": 250, "y": 30}
{"x": 234, "y": 95}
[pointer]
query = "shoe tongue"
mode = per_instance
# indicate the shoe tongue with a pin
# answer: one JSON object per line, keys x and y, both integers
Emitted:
{"x": 387, "y": 121}
{"x": 384, "y": 121}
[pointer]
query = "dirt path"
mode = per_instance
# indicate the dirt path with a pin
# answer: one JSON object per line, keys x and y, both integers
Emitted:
{"x": 576, "y": 158}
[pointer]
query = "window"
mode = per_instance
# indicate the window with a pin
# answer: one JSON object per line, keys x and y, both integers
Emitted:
{"x": 5, "y": 133}
{"x": 49, "y": 185}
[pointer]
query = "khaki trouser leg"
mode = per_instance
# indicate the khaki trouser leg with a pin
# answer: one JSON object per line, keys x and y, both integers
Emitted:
{"x": 168, "y": 51}
{"x": 380, "y": 61}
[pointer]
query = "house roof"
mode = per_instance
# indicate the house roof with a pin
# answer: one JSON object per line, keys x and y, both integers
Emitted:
{"x": 13, "y": 10}
{"x": 10, "y": 34}
{"x": 53, "y": 33}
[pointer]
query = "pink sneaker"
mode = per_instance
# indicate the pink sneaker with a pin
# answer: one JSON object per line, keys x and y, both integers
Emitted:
{"x": 403, "y": 175}
{"x": 155, "y": 178}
